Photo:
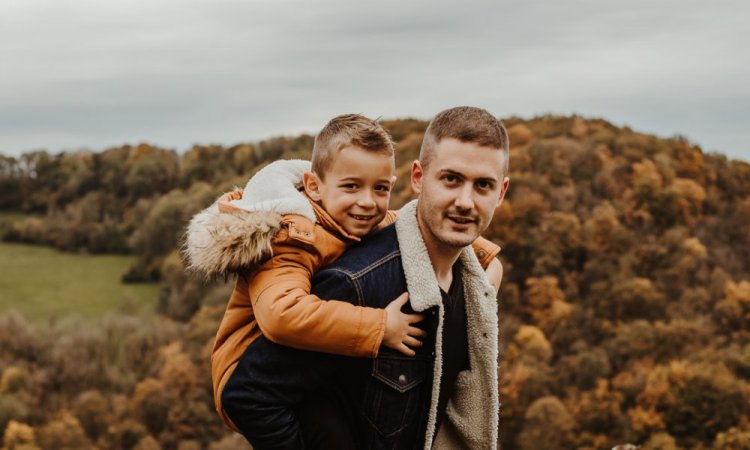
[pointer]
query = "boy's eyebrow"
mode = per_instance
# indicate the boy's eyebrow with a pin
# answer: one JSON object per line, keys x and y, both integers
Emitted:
{"x": 353, "y": 178}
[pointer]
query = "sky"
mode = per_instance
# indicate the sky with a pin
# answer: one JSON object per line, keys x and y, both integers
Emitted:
{"x": 84, "y": 74}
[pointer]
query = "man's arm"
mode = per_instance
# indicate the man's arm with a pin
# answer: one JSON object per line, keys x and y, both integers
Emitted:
{"x": 494, "y": 273}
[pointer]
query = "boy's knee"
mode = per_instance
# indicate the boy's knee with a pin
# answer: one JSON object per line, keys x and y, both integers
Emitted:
{"x": 264, "y": 424}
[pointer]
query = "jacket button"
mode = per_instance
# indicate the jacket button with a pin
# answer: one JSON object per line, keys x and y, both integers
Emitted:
{"x": 481, "y": 254}
{"x": 402, "y": 380}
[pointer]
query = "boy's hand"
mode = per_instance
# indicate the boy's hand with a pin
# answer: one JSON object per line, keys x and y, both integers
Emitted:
{"x": 399, "y": 332}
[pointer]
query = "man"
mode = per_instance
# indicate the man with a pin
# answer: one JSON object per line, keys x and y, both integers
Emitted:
{"x": 447, "y": 395}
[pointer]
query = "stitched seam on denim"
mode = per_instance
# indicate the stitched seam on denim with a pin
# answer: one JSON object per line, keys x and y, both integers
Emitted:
{"x": 376, "y": 264}
{"x": 369, "y": 268}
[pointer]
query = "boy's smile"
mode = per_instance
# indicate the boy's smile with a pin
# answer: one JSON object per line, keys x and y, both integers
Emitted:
{"x": 355, "y": 190}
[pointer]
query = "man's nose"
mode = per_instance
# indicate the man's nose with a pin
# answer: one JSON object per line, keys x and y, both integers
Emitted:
{"x": 465, "y": 198}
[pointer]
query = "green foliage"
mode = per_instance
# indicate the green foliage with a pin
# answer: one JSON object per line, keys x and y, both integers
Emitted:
{"x": 37, "y": 282}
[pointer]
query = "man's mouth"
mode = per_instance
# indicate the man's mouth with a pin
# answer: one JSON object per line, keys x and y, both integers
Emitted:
{"x": 463, "y": 220}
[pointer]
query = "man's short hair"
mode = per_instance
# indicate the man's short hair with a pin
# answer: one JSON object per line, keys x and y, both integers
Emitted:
{"x": 467, "y": 124}
{"x": 344, "y": 131}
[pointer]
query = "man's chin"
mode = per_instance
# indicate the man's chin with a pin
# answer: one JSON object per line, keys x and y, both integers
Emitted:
{"x": 457, "y": 240}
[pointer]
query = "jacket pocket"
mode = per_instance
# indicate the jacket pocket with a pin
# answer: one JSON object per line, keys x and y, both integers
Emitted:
{"x": 395, "y": 393}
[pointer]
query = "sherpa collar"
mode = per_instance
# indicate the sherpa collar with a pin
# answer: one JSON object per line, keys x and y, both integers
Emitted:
{"x": 473, "y": 412}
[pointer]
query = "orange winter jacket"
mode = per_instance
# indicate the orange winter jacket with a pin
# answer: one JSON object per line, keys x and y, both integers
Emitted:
{"x": 274, "y": 299}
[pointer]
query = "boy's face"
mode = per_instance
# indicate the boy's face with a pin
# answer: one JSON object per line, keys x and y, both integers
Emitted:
{"x": 355, "y": 190}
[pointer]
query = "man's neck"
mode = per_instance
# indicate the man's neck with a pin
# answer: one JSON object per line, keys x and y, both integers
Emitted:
{"x": 442, "y": 257}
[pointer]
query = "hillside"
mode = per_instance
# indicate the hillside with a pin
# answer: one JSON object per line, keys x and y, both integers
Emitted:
{"x": 625, "y": 308}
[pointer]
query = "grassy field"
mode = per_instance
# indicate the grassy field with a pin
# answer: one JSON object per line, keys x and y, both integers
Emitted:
{"x": 42, "y": 284}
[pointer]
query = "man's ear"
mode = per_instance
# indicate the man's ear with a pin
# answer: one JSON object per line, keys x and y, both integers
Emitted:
{"x": 417, "y": 176}
{"x": 312, "y": 185}
{"x": 501, "y": 197}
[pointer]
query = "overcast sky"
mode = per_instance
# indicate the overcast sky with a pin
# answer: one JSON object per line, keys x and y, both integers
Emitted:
{"x": 93, "y": 74}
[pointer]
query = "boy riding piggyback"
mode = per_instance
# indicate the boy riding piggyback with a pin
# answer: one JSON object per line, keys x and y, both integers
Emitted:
{"x": 279, "y": 232}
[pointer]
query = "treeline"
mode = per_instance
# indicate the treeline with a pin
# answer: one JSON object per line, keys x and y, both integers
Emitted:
{"x": 625, "y": 308}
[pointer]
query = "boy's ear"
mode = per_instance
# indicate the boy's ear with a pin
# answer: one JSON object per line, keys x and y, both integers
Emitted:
{"x": 393, "y": 181}
{"x": 312, "y": 185}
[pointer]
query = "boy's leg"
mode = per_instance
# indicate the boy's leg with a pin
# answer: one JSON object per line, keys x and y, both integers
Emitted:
{"x": 270, "y": 380}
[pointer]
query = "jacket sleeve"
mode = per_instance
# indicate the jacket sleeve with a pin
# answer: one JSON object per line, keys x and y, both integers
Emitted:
{"x": 289, "y": 315}
{"x": 485, "y": 251}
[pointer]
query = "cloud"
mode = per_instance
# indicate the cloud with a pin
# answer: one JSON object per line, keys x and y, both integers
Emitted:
{"x": 91, "y": 74}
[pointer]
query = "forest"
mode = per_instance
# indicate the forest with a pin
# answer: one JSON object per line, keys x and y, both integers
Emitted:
{"x": 624, "y": 311}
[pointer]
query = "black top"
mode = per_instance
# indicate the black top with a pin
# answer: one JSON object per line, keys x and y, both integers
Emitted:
{"x": 455, "y": 341}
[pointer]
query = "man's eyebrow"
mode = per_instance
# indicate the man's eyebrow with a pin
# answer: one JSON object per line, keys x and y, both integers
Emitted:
{"x": 461, "y": 175}
{"x": 451, "y": 172}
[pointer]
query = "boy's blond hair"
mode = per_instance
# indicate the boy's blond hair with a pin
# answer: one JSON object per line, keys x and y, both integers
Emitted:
{"x": 467, "y": 124}
{"x": 348, "y": 130}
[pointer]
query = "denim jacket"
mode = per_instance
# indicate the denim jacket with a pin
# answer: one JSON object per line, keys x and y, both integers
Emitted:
{"x": 397, "y": 396}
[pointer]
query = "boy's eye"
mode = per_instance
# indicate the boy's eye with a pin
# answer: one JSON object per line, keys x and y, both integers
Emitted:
{"x": 451, "y": 179}
{"x": 349, "y": 186}
{"x": 383, "y": 188}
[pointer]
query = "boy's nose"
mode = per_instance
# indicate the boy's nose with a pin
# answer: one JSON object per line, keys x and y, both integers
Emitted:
{"x": 366, "y": 201}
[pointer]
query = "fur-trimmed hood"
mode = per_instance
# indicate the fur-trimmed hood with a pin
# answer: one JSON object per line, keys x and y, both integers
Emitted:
{"x": 235, "y": 233}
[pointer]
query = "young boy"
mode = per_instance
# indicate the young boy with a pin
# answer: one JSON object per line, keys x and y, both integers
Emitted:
{"x": 292, "y": 235}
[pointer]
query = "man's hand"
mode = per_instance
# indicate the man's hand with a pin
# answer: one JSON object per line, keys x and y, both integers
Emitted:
{"x": 494, "y": 273}
{"x": 399, "y": 334}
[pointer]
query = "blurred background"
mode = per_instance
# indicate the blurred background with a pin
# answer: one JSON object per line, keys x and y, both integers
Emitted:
{"x": 625, "y": 308}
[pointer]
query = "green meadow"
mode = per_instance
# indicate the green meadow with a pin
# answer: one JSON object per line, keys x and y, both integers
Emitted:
{"x": 42, "y": 284}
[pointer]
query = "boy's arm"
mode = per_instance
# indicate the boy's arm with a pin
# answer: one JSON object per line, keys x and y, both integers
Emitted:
{"x": 289, "y": 315}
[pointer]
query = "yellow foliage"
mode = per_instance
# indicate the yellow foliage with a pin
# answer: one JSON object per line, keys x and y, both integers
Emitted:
{"x": 739, "y": 292}
{"x": 17, "y": 434}
{"x": 178, "y": 372}
{"x": 519, "y": 134}
{"x": 645, "y": 420}
{"x": 694, "y": 247}
{"x": 532, "y": 343}
{"x": 578, "y": 128}
{"x": 64, "y": 432}
{"x": 646, "y": 176}
{"x": 14, "y": 379}
{"x": 147, "y": 443}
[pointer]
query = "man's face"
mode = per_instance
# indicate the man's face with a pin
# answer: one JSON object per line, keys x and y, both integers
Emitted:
{"x": 458, "y": 192}
{"x": 356, "y": 189}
